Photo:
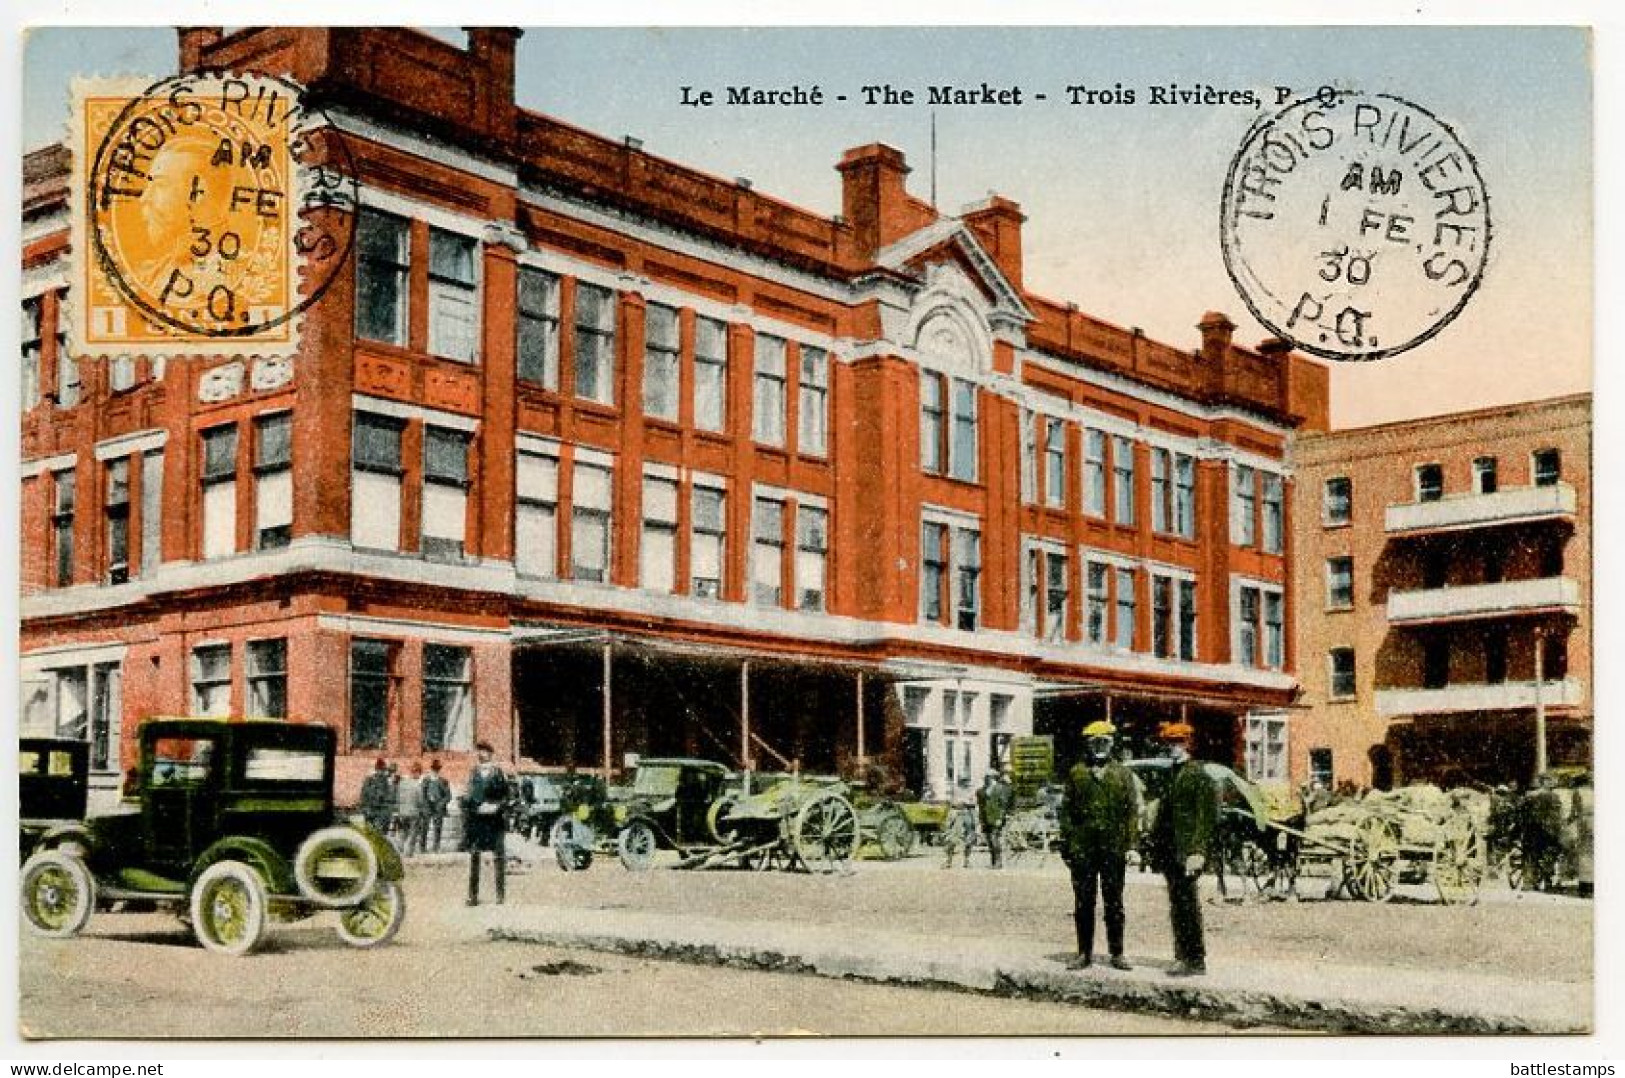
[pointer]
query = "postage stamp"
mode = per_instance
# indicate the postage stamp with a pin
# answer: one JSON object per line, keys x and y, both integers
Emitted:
{"x": 206, "y": 217}
{"x": 1355, "y": 225}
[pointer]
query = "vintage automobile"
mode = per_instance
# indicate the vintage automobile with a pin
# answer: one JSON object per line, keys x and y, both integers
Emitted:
{"x": 546, "y": 796}
{"x": 667, "y": 807}
{"x": 53, "y": 784}
{"x": 232, "y": 825}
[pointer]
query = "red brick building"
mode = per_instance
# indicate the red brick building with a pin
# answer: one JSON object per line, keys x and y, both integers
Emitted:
{"x": 1444, "y": 596}
{"x": 594, "y": 454}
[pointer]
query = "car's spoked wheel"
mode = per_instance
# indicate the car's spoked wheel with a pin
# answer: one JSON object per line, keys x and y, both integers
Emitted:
{"x": 58, "y": 894}
{"x": 636, "y": 846}
{"x": 229, "y": 908}
{"x": 375, "y": 920}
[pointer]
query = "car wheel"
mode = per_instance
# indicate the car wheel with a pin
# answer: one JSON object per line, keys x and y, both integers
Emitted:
{"x": 636, "y": 846}
{"x": 376, "y": 920}
{"x": 336, "y": 867}
{"x": 229, "y": 908}
{"x": 58, "y": 894}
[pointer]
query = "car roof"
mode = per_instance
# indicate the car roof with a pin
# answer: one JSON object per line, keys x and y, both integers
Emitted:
{"x": 269, "y": 731}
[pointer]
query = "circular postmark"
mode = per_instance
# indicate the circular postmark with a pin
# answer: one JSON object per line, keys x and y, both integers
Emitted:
{"x": 220, "y": 206}
{"x": 1355, "y": 226}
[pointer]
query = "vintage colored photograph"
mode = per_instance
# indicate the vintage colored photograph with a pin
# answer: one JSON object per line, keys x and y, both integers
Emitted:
{"x": 765, "y": 532}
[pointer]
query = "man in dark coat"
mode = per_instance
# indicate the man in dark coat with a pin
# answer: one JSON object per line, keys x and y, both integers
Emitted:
{"x": 484, "y": 824}
{"x": 1100, "y": 822}
{"x": 1181, "y": 838}
{"x": 993, "y": 803}
{"x": 436, "y": 800}
{"x": 378, "y": 798}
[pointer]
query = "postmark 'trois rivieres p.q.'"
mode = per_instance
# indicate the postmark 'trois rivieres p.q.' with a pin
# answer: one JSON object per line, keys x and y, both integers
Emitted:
{"x": 1355, "y": 225}
{"x": 210, "y": 210}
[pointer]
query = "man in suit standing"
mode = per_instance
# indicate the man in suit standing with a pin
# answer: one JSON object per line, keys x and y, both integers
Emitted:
{"x": 1181, "y": 838}
{"x": 436, "y": 800}
{"x": 378, "y": 798}
{"x": 993, "y": 803}
{"x": 484, "y": 823}
{"x": 1100, "y": 821}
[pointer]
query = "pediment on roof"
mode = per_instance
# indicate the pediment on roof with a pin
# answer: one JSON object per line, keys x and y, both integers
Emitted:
{"x": 948, "y": 243}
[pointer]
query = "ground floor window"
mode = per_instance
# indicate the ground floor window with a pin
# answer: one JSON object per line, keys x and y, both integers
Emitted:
{"x": 211, "y": 680}
{"x": 1320, "y": 768}
{"x": 267, "y": 679}
{"x": 371, "y": 695}
{"x": 83, "y": 701}
{"x": 448, "y": 697}
{"x": 1266, "y": 738}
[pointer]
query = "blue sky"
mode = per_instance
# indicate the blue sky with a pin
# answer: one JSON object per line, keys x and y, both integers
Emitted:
{"x": 1122, "y": 202}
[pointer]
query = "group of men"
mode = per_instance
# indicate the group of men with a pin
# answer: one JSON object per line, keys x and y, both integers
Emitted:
{"x": 994, "y": 799}
{"x": 410, "y": 808}
{"x": 1100, "y": 823}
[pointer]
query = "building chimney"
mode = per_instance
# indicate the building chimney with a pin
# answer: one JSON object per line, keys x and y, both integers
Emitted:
{"x": 193, "y": 41}
{"x": 1217, "y": 330}
{"x": 874, "y": 196}
{"x": 493, "y": 49}
{"x": 1274, "y": 347}
{"x": 996, "y": 224}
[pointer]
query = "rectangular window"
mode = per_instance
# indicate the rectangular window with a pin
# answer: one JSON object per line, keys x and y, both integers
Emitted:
{"x": 211, "y": 681}
{"x": 32, "y": 349}
{"x": 933, "y": 569}
{"x": 658, "y": 554}
{"x": 1098, "y": 601}
{"x": 536, "y": 512}
{"x": 383, "y": 260}
{"x": 1429, "y": 482}
{"x": 590, "y": 522}
{"x": 219, "y": 480}
{"x": 1187, "y": 620}
{"x": 538, "y": 327}
{"x": 1274, "y": 630}
{"x": 1266, "y": 744}
{"x": 1054, "y": 463}
{"x": 1185, "y": 495}
{"x": 454, "y": 305}
{"x": 372, "y": 695}
{"x": 1162, "y": 612}
{"x": 710, "y": 374}
{"x": 448, "y": 698}
{"x": 812, "y": 552}
{"x": 1274, "y": 513}
{"x": 1123, "y": 479}
{"x": 64, "y": 484}
{"x": 1337, "y": 503}
{"x": 152, "y": 514}
{"x": 1123, "y": 636}
{"x": 106, "y": 714}
{"x": 967, "y": 557}
{"x": 117, "y": 508}
{"x": 375, "y": 481}
{"x": 708, "y": 543}
{"x": 962, "y": 452}
{"x": 267, "y": 679}
{"x": 121, "y": 373}
{"x": 1029, "y": 457}
{"x": 1247, "y": 628}
{"x": 769, "y": 399}
{"x": 1547, "y": 467}
{"x": 660, "y": 350}
{"x": 445, "y": 493}
{"x": 1484, "y": 475}
{"x": 1056, "y": 596}
{"x": 595, "y": 343}
{"x": 1094, "y": 473}
{"x": 812, "y": 435}
{"x": 69, "y": 386}
{"x": 273, "y": 481}
{"x": 1243, "y": 506}
{"x": 767, "y": 552}
{"x": 1161, "y": 494}
{"x": 1339, "y": 583}
{"x": 1320, "y": 768}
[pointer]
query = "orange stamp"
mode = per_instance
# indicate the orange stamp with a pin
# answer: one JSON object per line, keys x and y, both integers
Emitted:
{"x": 211, "y": 211}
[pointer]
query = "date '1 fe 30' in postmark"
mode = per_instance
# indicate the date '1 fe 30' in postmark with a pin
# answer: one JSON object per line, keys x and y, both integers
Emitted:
{"x": 1355, "y": 225}
{"x": 210, "y": 211}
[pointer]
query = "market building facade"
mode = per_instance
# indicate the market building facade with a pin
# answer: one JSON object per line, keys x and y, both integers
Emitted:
{"x": 1444, "y": 597}
{"x": 594, "y": 455}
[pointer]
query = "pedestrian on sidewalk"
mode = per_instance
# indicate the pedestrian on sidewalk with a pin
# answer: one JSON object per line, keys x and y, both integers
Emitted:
{"x": 409, "y": 810}
{"x": 378, "y": 798}
{"x": 1100, "y": 823}
{"x": 436, "y": 802}
{"x": 484, "y": 823}
{"x": 958, "y": 834}
{"x": 1182, "y": 836}
{"x": 993, "y": 803}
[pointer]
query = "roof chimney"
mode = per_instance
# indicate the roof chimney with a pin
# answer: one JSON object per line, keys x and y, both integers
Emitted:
{"x": 874, "y": 196}
{"x": 493, "y": 48}
{"x": 996, "y": 224}
{"x": 1217, "y": 330}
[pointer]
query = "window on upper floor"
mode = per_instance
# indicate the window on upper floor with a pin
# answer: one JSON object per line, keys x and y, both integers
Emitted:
{"x": 1260, "y": 619}
{"x": 375, "y": 481}
{"x": 708, "y": 541}
{"x": 1173, "y": 493}
{"x": 1094, "y": 472}
{"x": 1123, "y": 627}
{"x": 538, "y": 327}
{"x": 1123, "y": 480}
{"x": 1339, "y": 583}
{"x": 69, "y": 385}
{"x": 454, "y": 304}
{"x": 767, "y": 552}
{"x": 1340, "y": 664}
{"x": 536, "y": 514}
{"x": 152, "y": 515}
{"x": 933, "y": 569}
{"x": 273, "y": 481}
{"x": 383, "y": 265}
{"x": 812, "y": 421}
{"x": 64, "y": 490}
{"x": 1054, "y": 463}
{"x": 657, "y": 555}
{"x": 219, "y": 482}
{"x": 595, "y": 343}
{"x": 591, "y": 522}
{"x": 1243, "y": 506}
{"x": 1274, "y": 513}
{"x": 1429, "y": 482}
{"x": 962, "y": 447}
{"x": 710, "y": 374}
{"x": 1163, "y": 626}
{"x": 445, "y": 493}
{"x": 1337, "y": 501}
{"x": 1045, "y": 592}
{"x": 768, "y": 416}
{"x": 1187, "y": 620}
{"x": 1097, "y": 601}
{"x": 660, "y": 361}
{"x": 33, "y": 348}
{"x": 1484, "y": 479}
{"x": 951, "y": 573}
{"x": 812, "y": 554}
{"x": 116, "y": 506}
{"x": 1547, "y": 466}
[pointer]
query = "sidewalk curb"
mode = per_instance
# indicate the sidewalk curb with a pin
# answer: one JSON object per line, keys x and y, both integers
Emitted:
{"x": 1043, "y": 980}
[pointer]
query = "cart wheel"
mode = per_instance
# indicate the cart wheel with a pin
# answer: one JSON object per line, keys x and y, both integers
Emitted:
{"x": 636, "y": 846}
{"x": 894, "y": 836}
{"x": 376, "y": 920}
{"x": 1458, "y": 863}
{"x": 58, "y": 893}
{"x": 716, "y": 819}
{"x": 825, "y": 834}
{"x": 1373, "y": 862}
{"x": 229, "y": 908}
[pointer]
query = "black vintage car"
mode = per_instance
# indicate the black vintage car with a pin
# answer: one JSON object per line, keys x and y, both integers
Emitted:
{"x": 53, "y": 784}
{"x": 232, "y": 824}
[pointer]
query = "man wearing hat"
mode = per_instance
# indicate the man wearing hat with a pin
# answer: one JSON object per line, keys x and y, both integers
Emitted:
{"x": 1181, "y": 837}
{"x": 483, "y": 823}
{"x": 1100, "y": 819}
{"x": 378, "y": 798}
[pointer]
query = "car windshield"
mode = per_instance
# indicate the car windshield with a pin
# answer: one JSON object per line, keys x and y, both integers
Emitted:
{"x": 657, "y": 780}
